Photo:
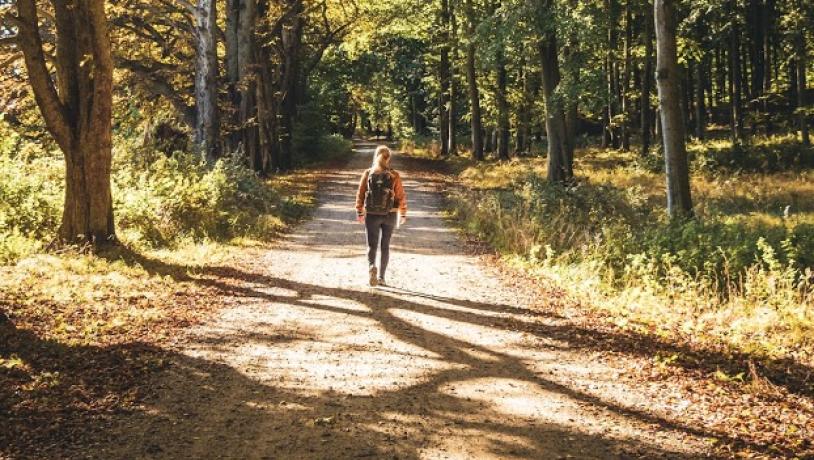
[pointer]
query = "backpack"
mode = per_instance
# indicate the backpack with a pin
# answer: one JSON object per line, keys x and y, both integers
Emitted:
{"x": 380, "y": 196}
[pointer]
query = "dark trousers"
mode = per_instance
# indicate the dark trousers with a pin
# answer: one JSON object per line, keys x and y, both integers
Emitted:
{"x": 379, "y": 228}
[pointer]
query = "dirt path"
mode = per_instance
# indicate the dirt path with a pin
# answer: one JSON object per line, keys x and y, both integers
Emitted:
{"x": 451, "y": 362}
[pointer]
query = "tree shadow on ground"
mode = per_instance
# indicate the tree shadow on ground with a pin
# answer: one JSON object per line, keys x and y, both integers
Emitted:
{"x": 491, "y": 364}
{"x": 253, "y": 419}
{"x": 789, "y": 374}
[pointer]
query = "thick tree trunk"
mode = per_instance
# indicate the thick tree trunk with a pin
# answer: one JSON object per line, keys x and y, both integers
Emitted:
{"x": 291, "y": 39}
{"x": 472, "y": 82}
{"x": 78, "y": 111}
{"x": 444, "y": 80}
{"x": 647, "y": 79}
{"x": 679, "y": 202}
{"x": 87, "y": 214}
{"x": 207, "y": 128}
{"x": 560, "y": 169}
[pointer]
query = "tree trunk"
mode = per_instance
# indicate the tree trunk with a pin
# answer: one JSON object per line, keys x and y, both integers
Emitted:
{"x": 647, "y": 79}
{"x": 611, "y": 82}
{"x": 679, "y": 202}
{"x": 472, "y": 82}
{"x": 756, "y": 57}
{"x": 291, "y": 39}
{"x": 768, "y": 59}
{"x": 232, "y": 72}
{"x": 502, "y": 106}
{"x": 78, "y": 111}
{"x": 700, "y": 107}
{"x": 735, "y": 83}
{"x": 443, "y": 80}
{"x": 524, "y": 111}
{"x": 560, "y": 169}
{"x": 626, "y": 72}
{"x": 453, "y": 84}
{"x": 248, "y": 116}
{"x": 206, "y": 80}
{"x": 802, "y": 83}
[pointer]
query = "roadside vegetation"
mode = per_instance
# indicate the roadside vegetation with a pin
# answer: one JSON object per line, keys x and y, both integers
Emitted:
{"x": 739, "y": 274}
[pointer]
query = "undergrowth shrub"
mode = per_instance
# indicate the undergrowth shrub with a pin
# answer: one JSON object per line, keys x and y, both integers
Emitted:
{"x": 762, "y": 155}
{"x": 179, "y": 197}
{"x": 160, "y": 200}
{"x": 602, "y": 234}
{"x": 30, "y": 204}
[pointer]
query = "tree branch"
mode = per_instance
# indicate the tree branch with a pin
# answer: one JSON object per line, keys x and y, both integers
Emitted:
{"x": 30, "y": 43}
{"x": 151, "y": 81}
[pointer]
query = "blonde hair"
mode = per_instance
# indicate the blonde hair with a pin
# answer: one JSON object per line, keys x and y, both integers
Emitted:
{"x": 381, "y": 158}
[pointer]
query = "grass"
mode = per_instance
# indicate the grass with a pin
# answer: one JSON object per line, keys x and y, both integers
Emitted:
{"x": 81, "y": 333}
{"x": 739, "y": 276}
{"x": 78, "y": 297}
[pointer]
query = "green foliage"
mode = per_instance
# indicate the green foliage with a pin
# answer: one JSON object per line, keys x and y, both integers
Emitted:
{"x": 762, "y": 155}
{"x": 30, "y": 204}
{"x": 614, "y": 227}
{"x": 159, "y": 201}
{"x": 771, "y": 154}
{"x": 740, "y": 274}
{"x": 311, "y": 139}
{"x": 179, "y": 197}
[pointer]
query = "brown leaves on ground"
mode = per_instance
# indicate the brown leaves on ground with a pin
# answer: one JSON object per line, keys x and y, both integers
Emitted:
{"x": 81, "y": 334}
{"x": 759, "y": 408}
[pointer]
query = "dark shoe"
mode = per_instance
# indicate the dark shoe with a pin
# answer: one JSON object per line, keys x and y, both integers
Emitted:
{"x": 381, "y": 282}
{"x": 373, "y": 280}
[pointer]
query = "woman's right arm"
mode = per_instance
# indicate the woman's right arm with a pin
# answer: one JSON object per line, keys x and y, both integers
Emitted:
{"x": 360, "y": 195}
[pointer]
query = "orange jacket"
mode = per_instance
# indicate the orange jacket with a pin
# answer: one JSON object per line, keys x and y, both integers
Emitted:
{"x": 400, "y": 198}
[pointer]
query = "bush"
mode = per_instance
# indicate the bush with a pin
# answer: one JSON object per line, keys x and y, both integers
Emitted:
{"x": 769, "y": 154}
{"x": 158, "y": 200}
{"x": 613, "y": 242}
{"x": 30, "y": 204}
{"x": 608, "y": 225}
{"x": 179, "y": 197}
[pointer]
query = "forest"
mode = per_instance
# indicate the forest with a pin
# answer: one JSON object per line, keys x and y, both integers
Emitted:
{"x": 608, "y": 253}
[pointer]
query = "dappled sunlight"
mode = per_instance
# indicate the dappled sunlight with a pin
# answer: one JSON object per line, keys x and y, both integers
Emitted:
{"x": 337, "y": 302}
{"x": 523, "y": 402}
{"x": 495, "y": 339}
{"x": 348, "y": 368}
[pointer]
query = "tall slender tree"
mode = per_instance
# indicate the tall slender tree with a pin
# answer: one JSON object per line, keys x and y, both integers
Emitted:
{"x": 453, "y": 82}
{"x": 679, "y": 201}
{"x": 560, "y": 168}
{"x": 444, "y": 76}
{"x": 207, "y": 126}
{"x": 472, "y": 82}
{"x": 802, "y": 62}
{"x": 647, "y": 79}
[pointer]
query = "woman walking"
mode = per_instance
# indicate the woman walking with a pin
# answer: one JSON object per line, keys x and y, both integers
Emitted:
{"x": 380, "y": 204}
